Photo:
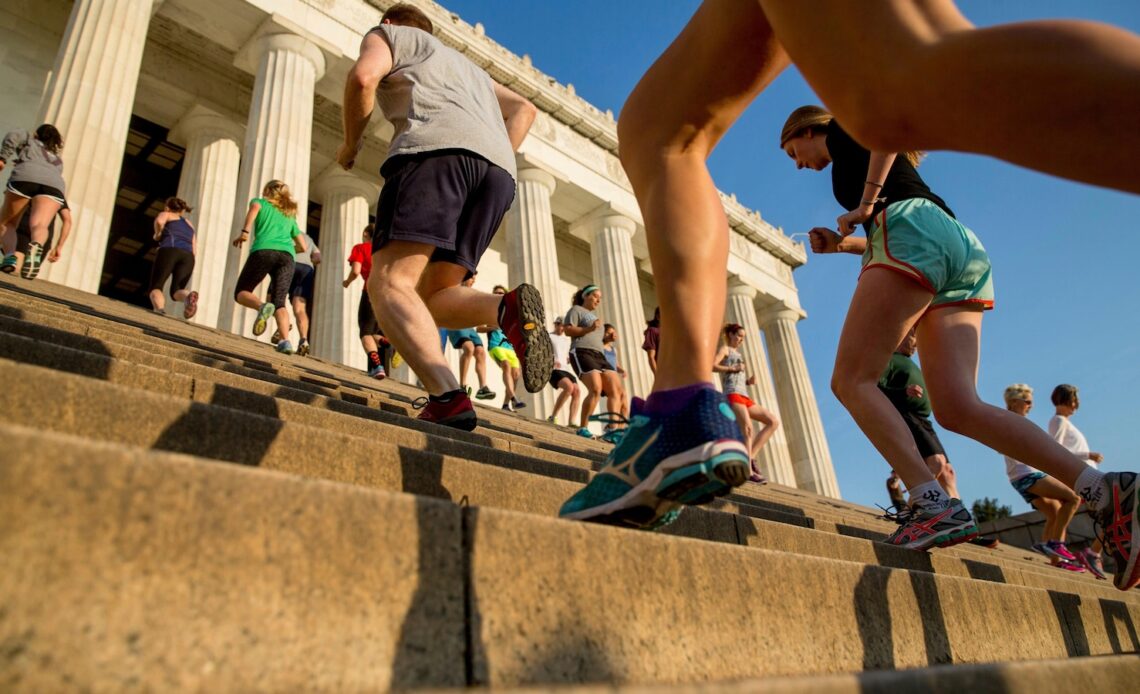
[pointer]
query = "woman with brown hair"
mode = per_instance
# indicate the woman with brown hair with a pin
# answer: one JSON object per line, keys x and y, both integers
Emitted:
{"x": 177, "y": 247}
{"x": 276, "y": 238}
{"x": 729, "y": 363}
{"x": 36, "y": 186}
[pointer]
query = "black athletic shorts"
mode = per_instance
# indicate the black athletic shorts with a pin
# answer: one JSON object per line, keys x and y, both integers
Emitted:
{"x": 277, "y": 265}
{"x": 586, "y": 360}
{"x": 34, "y": 190}
{"x": 174, "y": 264}
{"x": 924, "y": 435}
{"x": 557, "y": 375}
{"x": 366, "y": 317}
{"x": 302, "y": 284}
{"x": 451, "y": 199}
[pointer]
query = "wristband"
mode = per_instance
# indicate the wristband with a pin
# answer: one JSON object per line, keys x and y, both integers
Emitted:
{"x": 245, "y": 231}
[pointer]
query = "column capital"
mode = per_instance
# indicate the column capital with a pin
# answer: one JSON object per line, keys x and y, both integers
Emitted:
{"x": 201, "y": 119}
{"x": 334, "y": 179}
{"x": 603, "y": 217}
{"x": 780, "y": 311}
{"x": 249, "y": 56}
{"x": 737, "y": 287}
{"x": 539, "y": 176}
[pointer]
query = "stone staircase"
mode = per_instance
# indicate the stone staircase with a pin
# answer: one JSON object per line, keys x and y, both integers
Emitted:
{"x": 181, "y": 508}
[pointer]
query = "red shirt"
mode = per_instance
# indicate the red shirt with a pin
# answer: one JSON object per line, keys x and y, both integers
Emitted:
{"x": 362, "y": 253}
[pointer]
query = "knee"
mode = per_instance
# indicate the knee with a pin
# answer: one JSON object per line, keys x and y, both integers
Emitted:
{"x": 958, "y": 417}
{"x": 468, "y": 349}
{"x": 844, "y": 385}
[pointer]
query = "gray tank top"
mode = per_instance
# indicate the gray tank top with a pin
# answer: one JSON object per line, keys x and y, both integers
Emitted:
{"x": 733, "y": 382}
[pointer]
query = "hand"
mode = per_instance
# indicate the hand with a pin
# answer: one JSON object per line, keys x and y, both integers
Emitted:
{"x": 848, "y": 222}
{"x": 239, "y": 240}
{"x": 824, "y": 240}
{"x": 346, "y": 155}
{"x": 54, "y": 255}
{"x": 1096, "y": 457}
{"x": 751, "y": 381}
{"x": 738, "y": 368}
{"x": 914, "y": 391}
{"x": 597, "y": 324}
{"x": 346, "y": 283}
{"x": 621, "y": 372}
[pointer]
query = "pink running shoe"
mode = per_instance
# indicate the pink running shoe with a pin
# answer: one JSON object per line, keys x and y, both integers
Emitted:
{"x": 1059, "y": 550}
{"x": 1069, "y": 566}
{"x": 1091, "y": 561}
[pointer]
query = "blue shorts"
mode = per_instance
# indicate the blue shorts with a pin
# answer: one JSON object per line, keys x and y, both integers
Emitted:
{"x": 458, "y": 337}
{"x": 1022, "y": 485}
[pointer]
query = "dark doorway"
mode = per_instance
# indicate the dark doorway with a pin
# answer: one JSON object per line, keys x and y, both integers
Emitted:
{"x": 151, "y": 168}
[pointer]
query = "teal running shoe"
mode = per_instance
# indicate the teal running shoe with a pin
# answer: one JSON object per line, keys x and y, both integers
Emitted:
{"x": 663, "y": 462}
{"x": 263, "y": 315}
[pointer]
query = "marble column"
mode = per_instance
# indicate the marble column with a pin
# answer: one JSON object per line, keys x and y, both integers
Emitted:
{"x": 208, "y": 183}
{"x": 89, "y": 98}
{"x": 278, "y": 142}
{"x": 345, "y": 199}
{"x": 615, "y": 271}
{"x": 807, "y": 443}
{"x": 740, "y": 308}
{"x": 532, "y": 257}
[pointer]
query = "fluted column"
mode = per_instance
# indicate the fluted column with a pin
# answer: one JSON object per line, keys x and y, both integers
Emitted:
{"x": 278, "y": 141}
{"x": 774, "y": 458}
{"x": 807, "y": 443}
{"x": 345, "y": 199}
{"x": 208, "y": 183}
{"x": 89, "y": 99}
{"x": 615, "y": 271}
{"x": 532, "y": 257}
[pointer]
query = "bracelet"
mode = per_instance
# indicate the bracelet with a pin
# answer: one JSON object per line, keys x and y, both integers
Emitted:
{"x": 872, "y": 183}
{"x": 245, "y": 231}
{"x": 873, "y": 201}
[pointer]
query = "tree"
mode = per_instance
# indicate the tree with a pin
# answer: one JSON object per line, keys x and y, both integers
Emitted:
{"x": 987, "y": 509}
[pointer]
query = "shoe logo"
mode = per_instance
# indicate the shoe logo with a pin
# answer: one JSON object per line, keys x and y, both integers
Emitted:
{"x": 1117, "y": 533}
{"x": 727, "y": 412}
{"x": 933, "y": 495}
{"x": 626, "y": 470}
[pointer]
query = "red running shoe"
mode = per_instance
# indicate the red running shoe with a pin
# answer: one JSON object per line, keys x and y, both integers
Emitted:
{"x": 457, "y": 413}
{"x": 1120, "y": 524}
{"x": 191, "y": 307}
{"x": 523, "y": 320}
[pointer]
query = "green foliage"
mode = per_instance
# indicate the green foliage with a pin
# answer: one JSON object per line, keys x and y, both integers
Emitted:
{"x": 987, "y": 509}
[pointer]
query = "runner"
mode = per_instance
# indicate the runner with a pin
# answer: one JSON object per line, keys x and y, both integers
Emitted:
{"x": 727, "y": 54}
{"x": 36, "y": 186}
{"x": 272, "y": 218}
{"x": 609, "y": 349}
{"x": 371, "y": 339}
{"x": 470, "y": 346}
{"x": 504, "y": 355}
{"x": 174, "y": 261}
{"x": 1066, "y": 401}
{"x": 587, "y": 356}
{"x": 448, "y": 181}
{"x": 651, "y": 338}
{"x": 729, "y": 363}
{"x": 562, "y": 380}
{"x": 52, "y": 249}
{"x": 1052, "y": 499}
{"x": 301, "y": 293}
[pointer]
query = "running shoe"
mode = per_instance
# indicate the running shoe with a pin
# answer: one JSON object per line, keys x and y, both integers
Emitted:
{"x": 986, "y": 541}
{"x": 1059, "y": 550}
{"x": 275, "y": 337}
{"x": 1043, "y": 548}
{"x": 1091, "y": 561}
{"x": 303, "y": 348}
{"x": 457, "y": 413}
{"x": 755, "y": 475}
{"x": 191, "y": 307}
{"x": 518, "y": 404}
{"x": 32, "y": 260}
{"x": 507, "y": 407}
{"x": 467, "y": 389}
{"x": 689, "y": 457}
{"x": 552, "y": 420}
{"x": 8, "y": 265}
{"x": 484, "y": 393}
{"x": 263, "y": 315}
{"x": 584, "y": 433}
{"x": 925, "y": 529}
{"x": 397, "y": 360}
{"x": 1069, "y": 566}
{"x": 377, "y": 371}
{"x": 285, "y": 347}
{"x": 523, "y": 320}
{"x": 1120, "y": 524}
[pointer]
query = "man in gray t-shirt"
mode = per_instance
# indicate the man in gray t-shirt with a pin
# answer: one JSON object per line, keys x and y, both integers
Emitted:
{"x": 449, "y": 178}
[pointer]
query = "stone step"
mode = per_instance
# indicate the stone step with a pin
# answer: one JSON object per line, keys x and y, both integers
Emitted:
{"x": 145, "y": 569}
{"x": 252, "y": 429}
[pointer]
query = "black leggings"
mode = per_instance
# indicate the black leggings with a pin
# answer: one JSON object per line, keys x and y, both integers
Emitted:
{"x": 278, "y": 265}
{"x": 171, "y": 262}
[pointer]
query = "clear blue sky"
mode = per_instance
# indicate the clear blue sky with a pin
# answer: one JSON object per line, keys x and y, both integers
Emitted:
{"x": 1063, "y": 253}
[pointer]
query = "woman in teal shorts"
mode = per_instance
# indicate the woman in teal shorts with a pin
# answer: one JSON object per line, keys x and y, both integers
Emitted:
{"x": 921, "y": 267}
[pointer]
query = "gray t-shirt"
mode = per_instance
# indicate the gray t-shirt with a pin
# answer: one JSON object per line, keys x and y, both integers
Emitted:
{"x": 581, "y": 318}
{"x": 306, "y": 258}
{"x": 438, "y": 99}
{"x": 30, "y": 161}
{"x": 733, "y": 382}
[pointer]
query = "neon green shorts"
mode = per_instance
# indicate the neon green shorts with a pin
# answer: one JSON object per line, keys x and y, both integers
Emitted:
{"x": 505, "y": 353}
{"x": 918, "y": 239}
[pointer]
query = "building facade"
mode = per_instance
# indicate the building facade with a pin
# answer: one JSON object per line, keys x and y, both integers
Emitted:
{"x": 209, "y": 99}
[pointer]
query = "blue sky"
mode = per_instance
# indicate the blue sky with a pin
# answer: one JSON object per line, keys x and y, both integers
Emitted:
{"x": 1063, "y": 253}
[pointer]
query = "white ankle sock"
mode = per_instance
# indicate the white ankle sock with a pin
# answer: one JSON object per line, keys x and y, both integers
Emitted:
{"x": 1092, "y": 488}
{"x": 930, "y": 496}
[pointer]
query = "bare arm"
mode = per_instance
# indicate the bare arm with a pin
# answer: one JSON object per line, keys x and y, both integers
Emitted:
{"x": 518, "y": 113}
{"x": 575, "y": 331}
{"x": 652, "y": 353}
{"x": 299, "y": 243}
{"x": 250, "y": 217}
{"x": 373, "y": 65}
{"x": 353, "y": 273}
{"x": 64, "y": 232}
{"x": 717, "y": 366}
{"x": 159, "y": 223}
{"x": 877, "y": 170}
{"x": 824, "y": 240}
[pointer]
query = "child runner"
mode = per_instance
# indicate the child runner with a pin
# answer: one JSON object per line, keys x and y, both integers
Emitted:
{"x": 504, "y": 355}
{"x": 470, "y": 347}
{"x": 1049, "y": 497}
{"x": 35, "y": 185}
{"x": 301, "y": 293}
{"x": 371, "y": 339}
{"x": 562, "y": 380}
{"x": 727, "y": 54}
{"x": 729, "y": 363}
{"x": 586, "y": 355}
{"x": 177, "y": 248}
{"x": 651, "y": 338}
{"x": 53, "y": 250}
{"x": 273, "y": 221}
{"x": 1061, "y": 428}
{"x": 448, "y": 181}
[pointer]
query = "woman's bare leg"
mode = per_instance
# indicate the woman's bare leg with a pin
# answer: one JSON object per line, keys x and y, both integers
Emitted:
{"x": 1066, "y": 503}
{"x": 1048, "y": 508}
{"x": 769, "y": 423}
{"x": 593, "y": 384}
{"x": 913, "y": 74}
{"x": 10, "y": 212}
{"x": 744, "y": 422}
{"x": 673, "y": 119}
